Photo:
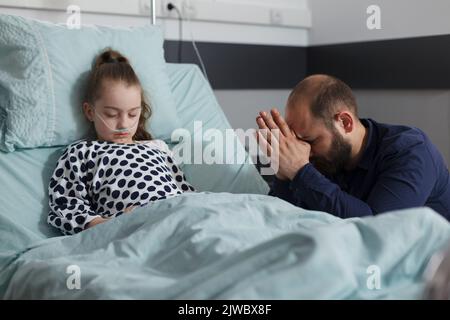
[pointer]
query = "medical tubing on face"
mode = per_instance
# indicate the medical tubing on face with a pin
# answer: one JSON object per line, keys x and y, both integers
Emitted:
{"x": 121, "y": 130}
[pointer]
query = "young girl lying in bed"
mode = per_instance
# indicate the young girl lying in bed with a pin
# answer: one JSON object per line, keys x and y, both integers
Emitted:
{"x": 97, "y": 180}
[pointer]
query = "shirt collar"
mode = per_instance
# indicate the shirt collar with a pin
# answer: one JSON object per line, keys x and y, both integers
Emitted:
{"x": 369, "y": 148}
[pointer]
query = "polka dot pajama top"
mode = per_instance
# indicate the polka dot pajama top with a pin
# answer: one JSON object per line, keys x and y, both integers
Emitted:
{"x": 102, "y": 179}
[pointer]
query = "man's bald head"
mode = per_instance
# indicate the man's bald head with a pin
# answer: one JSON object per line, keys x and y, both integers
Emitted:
{"x": 325, "y": 95}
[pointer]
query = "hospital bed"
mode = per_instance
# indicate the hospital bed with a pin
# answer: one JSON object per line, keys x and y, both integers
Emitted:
{"x": 227, "y": 241}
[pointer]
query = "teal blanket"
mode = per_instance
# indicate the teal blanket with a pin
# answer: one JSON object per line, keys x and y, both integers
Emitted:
{"x": 229, "y": 246}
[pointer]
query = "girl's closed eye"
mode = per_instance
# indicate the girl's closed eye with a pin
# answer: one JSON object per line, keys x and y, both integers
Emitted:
{"x": 110, "y": 115}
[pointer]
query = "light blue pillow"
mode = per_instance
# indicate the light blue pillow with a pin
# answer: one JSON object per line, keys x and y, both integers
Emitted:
{"x": 43, "y": 68}
{"x": 195, "y": 101}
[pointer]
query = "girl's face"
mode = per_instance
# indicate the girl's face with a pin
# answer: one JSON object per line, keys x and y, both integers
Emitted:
{"x": 118, "y": 107}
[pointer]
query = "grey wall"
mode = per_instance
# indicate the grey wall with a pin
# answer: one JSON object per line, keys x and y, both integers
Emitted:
{"x": 242, "y": 106}
{"x": 342, "y": 21}
{"x": 428, "y": 110}
{"x": 336, "y": 21}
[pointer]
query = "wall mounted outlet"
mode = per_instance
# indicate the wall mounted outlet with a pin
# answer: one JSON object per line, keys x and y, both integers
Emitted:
{"x": 186, "y": 7}
{"x": 171, "y": 13}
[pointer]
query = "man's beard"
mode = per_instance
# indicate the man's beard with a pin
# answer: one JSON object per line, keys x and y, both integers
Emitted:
{"x": 339, "y": 157}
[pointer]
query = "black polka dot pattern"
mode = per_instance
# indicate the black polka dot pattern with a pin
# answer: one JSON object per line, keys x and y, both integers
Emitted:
{"x": 102, "y": 179}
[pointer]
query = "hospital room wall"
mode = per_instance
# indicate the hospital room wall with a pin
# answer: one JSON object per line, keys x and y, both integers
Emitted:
{"x": 428, "y": 109}
{"x": 346, "y": 23}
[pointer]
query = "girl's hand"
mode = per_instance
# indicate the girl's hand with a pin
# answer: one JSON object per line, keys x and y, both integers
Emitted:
{"x": 99, "y": 220}
{"x": 129, "y": 209}
{"x": 96, "y": 221}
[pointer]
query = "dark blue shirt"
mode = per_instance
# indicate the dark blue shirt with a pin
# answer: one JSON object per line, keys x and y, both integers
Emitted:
{"x": 399, "y": 168}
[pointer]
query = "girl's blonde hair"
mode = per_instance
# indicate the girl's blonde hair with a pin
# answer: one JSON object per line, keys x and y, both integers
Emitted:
{"x": 112, "y": 65}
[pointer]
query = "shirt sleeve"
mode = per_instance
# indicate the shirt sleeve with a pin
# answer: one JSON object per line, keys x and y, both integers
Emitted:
{"x": 177, "y": 173}
{"x": 280, "y": 189}
{"x": 312, "y": 190}
{"x": 405, "y": 181}
{"x": 70, "y": 205}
